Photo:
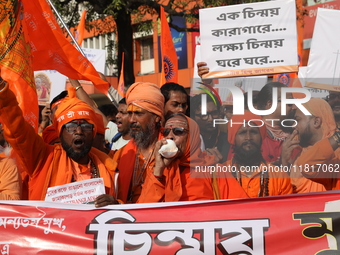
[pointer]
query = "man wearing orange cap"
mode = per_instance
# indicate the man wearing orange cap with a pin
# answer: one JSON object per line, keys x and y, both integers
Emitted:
{"x": 257, "y": 177}
{"x": 318, "y": 166}
{"x": 54, "y": 165}
{"x": 146, "y": 108}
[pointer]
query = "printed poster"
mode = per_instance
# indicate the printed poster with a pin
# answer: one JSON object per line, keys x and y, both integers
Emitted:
{"x": 49, "y": 84}
{"x": 249, "y": 39}
{"x": 81, "y": 192}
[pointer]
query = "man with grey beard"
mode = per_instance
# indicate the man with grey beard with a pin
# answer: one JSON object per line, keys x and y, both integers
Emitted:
{"x": 145, "y": 108}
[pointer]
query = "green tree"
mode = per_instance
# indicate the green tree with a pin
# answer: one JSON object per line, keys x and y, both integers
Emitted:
{"x": 103, "y": 14}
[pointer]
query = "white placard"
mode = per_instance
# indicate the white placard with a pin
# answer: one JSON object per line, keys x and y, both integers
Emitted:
{"x": 96, "y": 57}
{"x": 249, "y": 39}
{"x": 222, "y": 84}
{"x": 82, "y": 192}
{"x": 323, "y": 69}
{"x": 49, "y": 84}
{"x": 315, "y": 92}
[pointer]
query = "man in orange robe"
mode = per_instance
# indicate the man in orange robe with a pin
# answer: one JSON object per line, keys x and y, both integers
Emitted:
{"x": 257, "y": 177}
{"x": 146, "y": 108}
{"x": 318, "y": 166}
{"x": 52, "y": 165}
{"x": 180, "y": 178}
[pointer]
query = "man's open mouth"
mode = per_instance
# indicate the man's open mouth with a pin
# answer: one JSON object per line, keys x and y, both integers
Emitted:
{"x": 78, "y": 142}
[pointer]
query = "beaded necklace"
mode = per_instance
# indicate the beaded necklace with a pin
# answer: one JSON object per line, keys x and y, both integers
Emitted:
{"x": 94, "y": 171}
{"x": 138, "y": 173}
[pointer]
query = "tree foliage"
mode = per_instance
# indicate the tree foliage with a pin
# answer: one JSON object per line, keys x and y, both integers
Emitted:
{"x": 106, "y": 16}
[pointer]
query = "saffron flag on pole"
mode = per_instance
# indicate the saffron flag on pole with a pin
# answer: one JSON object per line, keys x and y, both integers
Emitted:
{"x": 15, "y": 60}
{"x": 169, "y": 56}
{"x": 51, "y": 50}
{"x": 81, "y": 29}
{"x": 121, "y": 82}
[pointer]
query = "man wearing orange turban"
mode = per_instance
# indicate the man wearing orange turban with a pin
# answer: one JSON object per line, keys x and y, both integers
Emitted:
{"x": 316, "y": 168}
{"x": 257, "y": 177}
{"x": 146, "y": 108}
{"x": 53, "y": 165}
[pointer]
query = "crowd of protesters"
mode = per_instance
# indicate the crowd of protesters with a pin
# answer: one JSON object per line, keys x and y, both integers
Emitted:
{"x": 130, "y": 146}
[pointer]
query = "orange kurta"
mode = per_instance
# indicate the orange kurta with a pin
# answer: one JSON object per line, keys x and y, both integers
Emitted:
{"x": 47, "y": 165}
{"x": 189, "y": 186}
{"x": 279, "y": 182}
{"x": 177, "y": 187}
{"x": 323, "y": 166}
{"x": 126, "y": 158}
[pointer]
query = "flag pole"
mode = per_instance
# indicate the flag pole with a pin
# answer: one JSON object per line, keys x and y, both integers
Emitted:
{"x": 65, "y": 26}
{"x": 73, "y": 39}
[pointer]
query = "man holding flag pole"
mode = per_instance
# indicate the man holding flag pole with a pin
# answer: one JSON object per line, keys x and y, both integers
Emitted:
{"x": 24, "y": 23}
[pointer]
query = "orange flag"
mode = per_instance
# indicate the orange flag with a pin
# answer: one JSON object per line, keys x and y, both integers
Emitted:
{"x": 121, "y": 83}
{"x": 51, "y": 50}
{"x": 169, "y": 56}
{"x": 81, "y": 29}
{"x": 15, "y": 61}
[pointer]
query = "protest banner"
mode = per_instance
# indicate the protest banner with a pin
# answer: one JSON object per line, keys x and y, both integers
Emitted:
{"x": 290, "y": 224}
{"x": 249, "y": 39}
{"x": 80, "y": 192}
{"x": 323, "y": 69}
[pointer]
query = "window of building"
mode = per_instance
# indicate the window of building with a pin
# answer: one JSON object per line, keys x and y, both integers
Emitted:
{"x": 146, "y": 45}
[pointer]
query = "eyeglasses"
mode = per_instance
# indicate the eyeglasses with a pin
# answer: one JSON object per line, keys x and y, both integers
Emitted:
{"x": 71, "y": 127}
{"x": 213, "y": 114}
{"x": 177, "y": 131}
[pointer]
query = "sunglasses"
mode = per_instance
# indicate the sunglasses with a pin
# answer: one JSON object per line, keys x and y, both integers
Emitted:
{"x": 71, "y": 127}
{"x": 176, "y": 131}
